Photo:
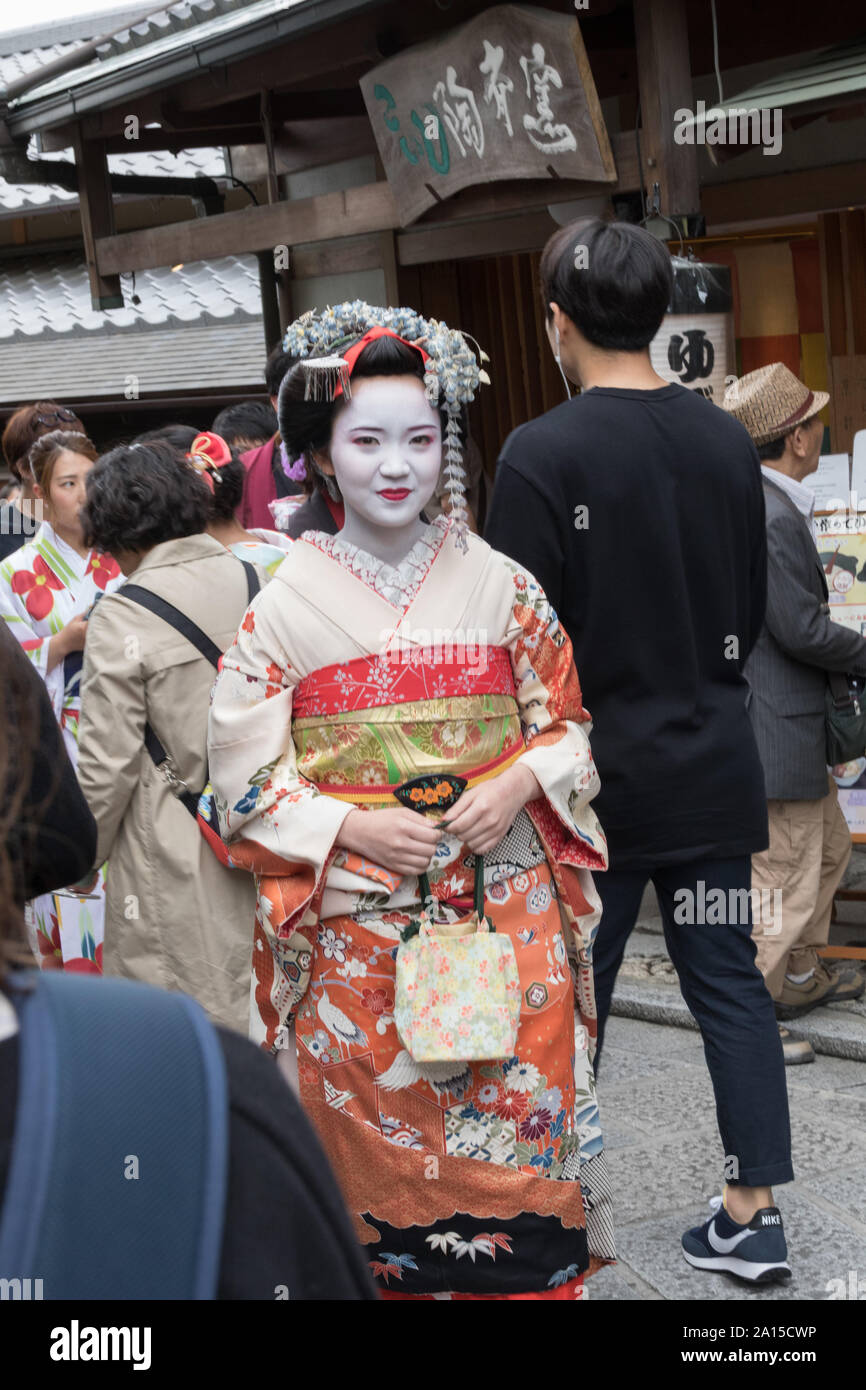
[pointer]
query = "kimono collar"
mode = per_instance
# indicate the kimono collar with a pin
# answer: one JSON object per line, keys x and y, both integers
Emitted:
{"x": 60, "y": 557}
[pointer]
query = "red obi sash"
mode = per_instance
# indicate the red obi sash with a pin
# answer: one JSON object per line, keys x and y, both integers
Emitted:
{"x": 406, "y": 674}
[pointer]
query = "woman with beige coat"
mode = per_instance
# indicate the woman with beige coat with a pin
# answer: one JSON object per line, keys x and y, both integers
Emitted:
{"x": 175, "y": 915}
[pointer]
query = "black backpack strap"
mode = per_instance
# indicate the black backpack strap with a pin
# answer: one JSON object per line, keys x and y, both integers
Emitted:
{"x": 173, "y": 616}
{"x": 253, "y": 583}
{"x": 200, "y": 640}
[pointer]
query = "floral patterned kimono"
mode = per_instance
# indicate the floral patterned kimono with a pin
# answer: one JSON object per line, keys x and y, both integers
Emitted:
{"x": 465, "y": 1179}
{"x": 42, "y": 587}
{"x": 269, "y": 551}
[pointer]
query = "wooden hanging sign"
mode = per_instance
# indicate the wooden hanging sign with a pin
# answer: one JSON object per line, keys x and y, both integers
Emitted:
{"x": 509, "y": 95}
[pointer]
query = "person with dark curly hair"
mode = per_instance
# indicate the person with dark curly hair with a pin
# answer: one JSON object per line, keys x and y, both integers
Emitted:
{"x": 175, "y": 915}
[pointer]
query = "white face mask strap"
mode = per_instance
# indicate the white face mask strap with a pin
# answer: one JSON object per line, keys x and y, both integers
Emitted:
{"x": 565, "y": 380}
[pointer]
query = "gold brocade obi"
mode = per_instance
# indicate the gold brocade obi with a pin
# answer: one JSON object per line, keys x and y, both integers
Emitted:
{"x": 361, "y": 728}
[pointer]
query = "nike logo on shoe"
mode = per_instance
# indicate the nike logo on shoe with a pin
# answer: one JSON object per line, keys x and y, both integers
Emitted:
{"x": 724, "y": 1245}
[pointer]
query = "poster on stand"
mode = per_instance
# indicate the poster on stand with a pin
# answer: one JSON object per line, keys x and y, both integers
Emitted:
{"x": 841, "y": 545}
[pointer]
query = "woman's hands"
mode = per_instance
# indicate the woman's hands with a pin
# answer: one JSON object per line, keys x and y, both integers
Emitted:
{"x": 399, "y": 840}
{"x": 71, "y": 638}
{"x": 484, "y": 813}
{"x": 403, "y": 841}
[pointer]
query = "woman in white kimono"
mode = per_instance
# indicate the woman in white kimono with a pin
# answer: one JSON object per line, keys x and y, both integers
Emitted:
{"x": 47, "y": 589}
{"x": 395, "y": 651}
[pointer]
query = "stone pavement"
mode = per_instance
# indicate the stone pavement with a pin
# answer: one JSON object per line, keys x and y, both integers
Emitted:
{"x": 665, "y": 1156}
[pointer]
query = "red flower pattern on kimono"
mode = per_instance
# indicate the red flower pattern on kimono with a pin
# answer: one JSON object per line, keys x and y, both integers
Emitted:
{"x": 102, "y": 569}
{"x": 82, "y": 965}
{"x": 51, "y": 954}
{"x": 37, "y": 584}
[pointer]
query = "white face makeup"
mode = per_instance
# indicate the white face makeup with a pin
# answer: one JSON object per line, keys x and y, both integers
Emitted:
{"x": 386, "y": 453}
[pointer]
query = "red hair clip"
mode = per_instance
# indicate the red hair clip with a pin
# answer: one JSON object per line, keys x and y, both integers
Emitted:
{"x": 207, "y": 453}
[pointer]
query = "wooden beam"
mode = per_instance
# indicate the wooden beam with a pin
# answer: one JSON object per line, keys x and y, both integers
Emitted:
{"x": 337, "y": 257}
{"x": 320, "y": 54}
{"x": 97, "y": 219}
{"x": 497, "y": 236}
{"x": 780, "y": 195}
{"x": 353, "y": 212}
{"x": 370, "y": 208}
{"x": 665, "y": 82}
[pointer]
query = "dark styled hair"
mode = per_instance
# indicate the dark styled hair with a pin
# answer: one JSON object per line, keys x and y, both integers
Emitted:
{"x": 29, "y": 423}
{"x": 139, "y": 496}
{"x": 178, "y": 436}
{"x": 279, "y": 363}
{"x": 246, "y": 424}
{"x": 306, "y": 426}
{"x": 228, "y": 489}
{"x": 43, "y": 456}
{"x": 613, "y": 280}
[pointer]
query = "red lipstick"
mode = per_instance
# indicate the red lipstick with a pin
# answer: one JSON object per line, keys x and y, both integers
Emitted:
{"x": 394, "y": 494}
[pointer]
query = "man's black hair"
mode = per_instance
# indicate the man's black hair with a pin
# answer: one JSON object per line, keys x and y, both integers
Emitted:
{"x": 276, "y": 367}
{"x": 612, "y": 279}
{"x": 248, "y": 423}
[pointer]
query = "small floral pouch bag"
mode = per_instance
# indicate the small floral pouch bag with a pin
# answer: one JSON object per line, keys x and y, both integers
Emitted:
{"x": 457, "y": 990}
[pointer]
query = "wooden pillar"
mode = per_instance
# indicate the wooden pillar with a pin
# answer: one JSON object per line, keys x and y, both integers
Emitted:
{"x": 270, "y": 303}
{"x": 97, "y": 217}
{"x": 281, "y": 279}
{"x": 388, "y": 243}
{"x": 842, "y": 250}
{"x": 665, "y": 83}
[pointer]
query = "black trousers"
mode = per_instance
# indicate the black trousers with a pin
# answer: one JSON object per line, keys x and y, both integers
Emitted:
{"x": 725, "y": 991}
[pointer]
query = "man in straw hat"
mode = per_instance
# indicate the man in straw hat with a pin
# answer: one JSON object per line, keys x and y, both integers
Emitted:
{"x": 810, "y": 843}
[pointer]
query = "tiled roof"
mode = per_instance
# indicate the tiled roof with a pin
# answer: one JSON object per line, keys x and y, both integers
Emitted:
{"x": 167, "y": 31}
{"x": 46, "y": 297}
{"x": 186, "y": 164}
{"x": 126, "y": 366}
{"x": 173, "y": 19}
{"x": 196, "y": 329}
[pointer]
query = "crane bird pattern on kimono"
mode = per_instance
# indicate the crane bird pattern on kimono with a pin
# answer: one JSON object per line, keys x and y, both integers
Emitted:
{"x": 454, "y": 1077}
{"x": 338, "y": 1024}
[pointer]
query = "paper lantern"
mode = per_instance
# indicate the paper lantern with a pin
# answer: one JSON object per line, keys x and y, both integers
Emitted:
{"x": 695, "y": 344}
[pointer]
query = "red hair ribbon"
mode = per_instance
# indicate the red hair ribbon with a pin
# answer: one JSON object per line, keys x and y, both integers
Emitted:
{"x": 207, "y": 453}
{"x": 351, "y": 356}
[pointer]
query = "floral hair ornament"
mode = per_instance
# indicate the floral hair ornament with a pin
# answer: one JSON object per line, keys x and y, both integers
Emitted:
{"x": 297, "y": 469}
{"x": 452, "y": 371}
{"x": 208, "y": 453}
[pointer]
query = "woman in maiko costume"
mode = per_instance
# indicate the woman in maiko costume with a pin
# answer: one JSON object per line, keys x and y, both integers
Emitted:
{"x": 405, "y": 652}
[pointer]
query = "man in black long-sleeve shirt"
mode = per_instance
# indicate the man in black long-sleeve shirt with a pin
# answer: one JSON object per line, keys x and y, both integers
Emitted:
{"x": 640, "y": 512}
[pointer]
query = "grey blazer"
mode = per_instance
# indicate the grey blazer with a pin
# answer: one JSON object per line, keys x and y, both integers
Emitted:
{"x": 787, "y": 667}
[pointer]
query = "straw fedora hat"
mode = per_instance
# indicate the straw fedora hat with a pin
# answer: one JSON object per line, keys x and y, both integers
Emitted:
{"x": 771, "y": 401}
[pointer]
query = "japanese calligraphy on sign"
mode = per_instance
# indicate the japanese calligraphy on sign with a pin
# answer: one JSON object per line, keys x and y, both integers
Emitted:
{"x": 507, "y": 96}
